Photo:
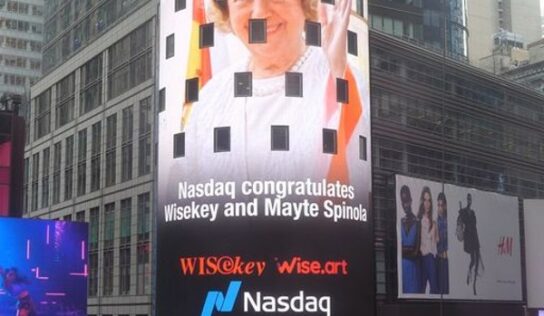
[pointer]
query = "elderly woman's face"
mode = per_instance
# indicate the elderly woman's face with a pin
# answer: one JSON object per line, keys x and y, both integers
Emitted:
{"x": 284, "y": 23}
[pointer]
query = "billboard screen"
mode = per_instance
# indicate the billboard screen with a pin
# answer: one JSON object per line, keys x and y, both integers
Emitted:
{"x": 43, "y": 267}
{"x": 533, "y": 217}
{"x": 456, "y": 243}
{"x": 264, "y": 158}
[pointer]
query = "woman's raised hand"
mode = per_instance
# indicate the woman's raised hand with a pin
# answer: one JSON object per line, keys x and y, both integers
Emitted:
{"x": 334, "y": 21}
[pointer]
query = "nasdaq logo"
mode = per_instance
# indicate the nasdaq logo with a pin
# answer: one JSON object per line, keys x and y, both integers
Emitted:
{"x": 222, "y": 303}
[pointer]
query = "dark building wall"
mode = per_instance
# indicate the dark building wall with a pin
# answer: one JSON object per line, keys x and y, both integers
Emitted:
{"x": 441, "y": 120}
{"x": 436, "y": 25}
{"x": 12, "y": 144}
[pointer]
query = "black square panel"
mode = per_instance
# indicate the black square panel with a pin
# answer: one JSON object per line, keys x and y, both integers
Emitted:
{"x": 362, "y": 148}
{"x": 170, "y": 46}
{"x": 191, "y": 90}
{"x": 328, "y": 1}
{"x": 313, "y": 33}
{"x": 206, "y": 35}
{"x": 342, "y": 90}
{"x": 162, "y": 99}
{"x": 243, "y": 84}
{"x": 329, "y": 141}
{"x": 293, "y": 84}
{"x": 352, "y": 43}
{"x": 280, "y": 138}
{"x": 221, "y": 139}
{"x": 179, "y": 145}
{"x": 180, "y": 5}
{"x": 257, "y": 31}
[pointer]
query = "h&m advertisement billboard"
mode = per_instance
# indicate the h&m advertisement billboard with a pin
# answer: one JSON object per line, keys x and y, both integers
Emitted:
{"x": 456, "y": 243}
{"x": 264, "y": 158}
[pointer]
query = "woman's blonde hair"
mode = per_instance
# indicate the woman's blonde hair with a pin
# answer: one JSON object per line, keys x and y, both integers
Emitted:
{"x": 219, "y": 13}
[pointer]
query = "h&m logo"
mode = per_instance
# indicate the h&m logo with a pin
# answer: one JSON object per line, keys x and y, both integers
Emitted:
{"x": 222, "y": 303}
{"x": 504, "y": 248}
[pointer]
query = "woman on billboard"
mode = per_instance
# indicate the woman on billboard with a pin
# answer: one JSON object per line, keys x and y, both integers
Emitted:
{"x": 429, "y": 241}
{"x": 235, "y": 137}
{"x": 442, "y": 245}
{"x": 17, "y": 286}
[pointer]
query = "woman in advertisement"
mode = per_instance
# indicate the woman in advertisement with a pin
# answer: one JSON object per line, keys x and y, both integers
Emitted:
{"x": 410, "y": 237}
{"x": 248, "y": 122}
{"x": 442, "y": 246}
{"x": 17, "y": 286}
{"x": 429, "y": 241}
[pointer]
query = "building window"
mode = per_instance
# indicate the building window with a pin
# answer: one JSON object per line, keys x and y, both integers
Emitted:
{"x": 144, "y": 142}
{"x": 144, "y": 216}
{"x": 124, "y": 270}
{"x": 57, "y": 154}
{"x": 143, "y": 231}
{"x": 35, "y": 179}
{"x": 25, "y": 184}
{"x": 80, "y": 216}
{"x": 91, "y": 85}
{"x": 68, "y": 168}
{"x": 126, "y": 149}
{"x": 96, "y": 155}
{"x": 42, "y": 121}
{"x": 109, "y": 224}
{"x": 130, "y": 61}
{"x": 82, "y": 162}
{"x": 124, "y": 243}
{"x": 93, "y": 251}
{"x": 45, "y": 177}
{"x": 111, "y": 149}
{"x": 65, "y": 100}
{"x": 109, "y": 229}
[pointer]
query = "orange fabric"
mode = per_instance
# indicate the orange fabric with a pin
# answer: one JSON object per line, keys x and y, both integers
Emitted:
{"x": 350, "y": 115}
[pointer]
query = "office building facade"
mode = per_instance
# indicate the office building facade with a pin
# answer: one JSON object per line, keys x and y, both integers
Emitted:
{"x": 436, "y": 25}
{"x": 440, "y": 120}
{"x": 90, "y": 140}
{"x": 21, "y": 37}
{"x": 489, "y": 17}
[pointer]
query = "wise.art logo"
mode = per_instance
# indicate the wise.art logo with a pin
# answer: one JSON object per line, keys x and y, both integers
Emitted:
{"x": 222, "y": 303}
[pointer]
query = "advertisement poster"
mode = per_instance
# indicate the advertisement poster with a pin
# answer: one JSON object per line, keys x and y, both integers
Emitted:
{"x": 456, "y": 243}
{"x": 533, "y": 217}
{"x": 264, "y": 159}
{"x": 43, "y": 267}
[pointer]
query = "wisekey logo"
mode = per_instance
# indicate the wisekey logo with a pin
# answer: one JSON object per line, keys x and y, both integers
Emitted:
{"x": 222, "y": 303}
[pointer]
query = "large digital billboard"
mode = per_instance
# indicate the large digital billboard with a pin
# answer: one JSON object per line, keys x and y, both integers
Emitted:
{"x": 43, "y": 267}
{"x": 456, "y": 243}
{"x": 264, "y": 158}
{"x": 533, "y": 217}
